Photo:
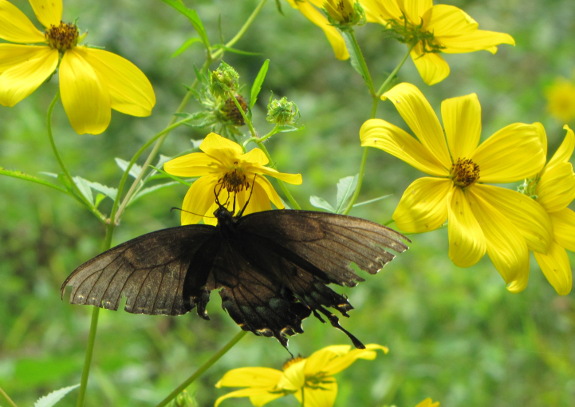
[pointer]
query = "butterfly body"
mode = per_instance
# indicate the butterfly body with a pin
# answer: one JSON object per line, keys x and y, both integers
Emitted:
{"x": 272, "y": 268}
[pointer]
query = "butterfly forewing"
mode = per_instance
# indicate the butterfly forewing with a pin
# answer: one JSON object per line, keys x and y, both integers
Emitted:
{"x": 149, "y": 271}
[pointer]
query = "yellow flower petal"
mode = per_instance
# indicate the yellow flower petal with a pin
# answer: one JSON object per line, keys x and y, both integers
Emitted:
{"x": 423, "y": 206}
{"x": 295, "y": 179}
{"x": 23, "y": 68}
{"x": 511, "y": 154}
{"x": 256, "y": 157}
{"x": 377, "y": 11}
{"x": 415, "y": 9}
{"x": 556, "y": 187}
{"x": 222, "y": 149}
{"x": 505, "y": 246}
{"x": 258, "y": 397}
{"x": 331, "y": 362}
{"x": 198, "y": 200}
{"x": 192, "y": 165}
{"x": 16, "y": 27}
{"x": 466, "y": 239}
{"x": 323, "y": 395}
{"x": 528, "y": 217}
{"x": 428, "y": 402}
{"x": 250, "y": 377}
{"x": 395, "y": 141}
{"x": 564, "y": 228}
{"x": 85, "y": 99}
{"x": 565, "y": 150}
{"x": 262, "y": 194}
{"x": 556, "y": 268}
{"x": 430, "y": 65}
{"x": 48, "y": 12}
{"x": 293, "y": 378}
{"x": 457, "y": 31}
{"x": 130, "y": 90}
{"x": 332, "y": 34}
{"x": 462, "y": 123}
{"x": 421, "y": 119}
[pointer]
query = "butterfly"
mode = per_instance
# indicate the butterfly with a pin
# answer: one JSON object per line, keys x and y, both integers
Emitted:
{"x": 272, "y": 269}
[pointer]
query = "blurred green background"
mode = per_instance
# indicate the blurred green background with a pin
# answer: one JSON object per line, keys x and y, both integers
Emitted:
{"x": 455, "y": 335}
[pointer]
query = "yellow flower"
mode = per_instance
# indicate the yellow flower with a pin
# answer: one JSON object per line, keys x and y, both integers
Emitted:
{"x": 311, "y": 10}
{"x": 92, "y": 81}
{"x": 481, "y": 218}
{"x": 428, "y": 403}
{"x": 230, "y": 174}
{"x": 554, "y": 189}
{"x": 432, "y": 30}
{"x": 309, "y": 379}
{"x": 561, "y": 99}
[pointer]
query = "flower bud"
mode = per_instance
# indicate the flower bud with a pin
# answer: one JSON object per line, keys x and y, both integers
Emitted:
{"x": 282, "y": 112}
{"x": 223, "y": 80}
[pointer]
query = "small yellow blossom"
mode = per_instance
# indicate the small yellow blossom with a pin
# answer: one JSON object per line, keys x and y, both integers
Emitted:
{"x": 561, "y": 99}
{"x": 554, "y": 189}
{"x": 431, "y": 30}
{"x": 310, "y": 379}
{"x": 311, "y": 10}
{"x": 92, "y": 81}
{"x": 231, "y": 175}
{"x": 428, "y": 402}
{"x": 481, "y": 218}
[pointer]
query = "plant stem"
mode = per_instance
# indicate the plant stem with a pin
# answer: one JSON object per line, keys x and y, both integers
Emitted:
{"x": 211, "y": 361}
{"x": 88, "y": 357}
{"x": 7, "y": 398}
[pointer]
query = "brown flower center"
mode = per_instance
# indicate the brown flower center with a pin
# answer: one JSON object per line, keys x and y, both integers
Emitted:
{"x": 464, "y": 172}
{"x": 234, "y": 181}
{"x": 62, "y": 37}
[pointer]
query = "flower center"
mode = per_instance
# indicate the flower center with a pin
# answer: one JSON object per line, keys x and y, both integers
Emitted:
{"x": 464, "y": 172}
{"x": 409, "y": 33}
{"x": 291, "y": 362}
{"x": 234, "y": 181}
{"x": 62, "y": 37}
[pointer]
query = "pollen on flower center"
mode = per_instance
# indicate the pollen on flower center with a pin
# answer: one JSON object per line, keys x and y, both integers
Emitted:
{"x": 62, "y": 37}
{"x": 464, "y": 172}
{"x": 234, "y": 181}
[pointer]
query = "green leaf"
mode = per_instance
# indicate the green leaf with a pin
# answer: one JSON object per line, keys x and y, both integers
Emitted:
{"x": 123, "y": 164}
{"x": 257, "y": 85}
{"x": 31, "y": 178}
{"x": 194, "y": 18}
{"x": 321, "y": 203}
{"x": 187, "y": 44}
{"x": 51, "y": 399}
{"x": 84, "y": 188}
{"x": 146, "y": 191}
{"x": 345, "y": 189}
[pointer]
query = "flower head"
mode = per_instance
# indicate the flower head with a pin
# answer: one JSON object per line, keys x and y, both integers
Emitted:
{"x": 311, "y": 10}
{"x": 227, "y": 176}
{"x": 561, "y": 99}
{"x": 92, "y": 81}
{"x": 481, "y": 218}
{"x": 431, "y": 30}
{"x": 554, "y": 189}
{"x": 306, "y": 378}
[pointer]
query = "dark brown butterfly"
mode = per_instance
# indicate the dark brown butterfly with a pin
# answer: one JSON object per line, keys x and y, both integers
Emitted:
{"x": 271, "y": 268}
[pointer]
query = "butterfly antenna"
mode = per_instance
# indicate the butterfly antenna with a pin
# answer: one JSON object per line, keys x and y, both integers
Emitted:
{"x": 249, "y": 197}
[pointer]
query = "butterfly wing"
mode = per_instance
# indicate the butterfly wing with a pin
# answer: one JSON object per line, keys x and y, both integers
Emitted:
{"x": 304, "y": 251}
{"x": 152, "y": 271}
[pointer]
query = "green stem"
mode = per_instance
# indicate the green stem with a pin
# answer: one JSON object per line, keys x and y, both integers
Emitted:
{"x": 76, "y": 193}
{"x": 217, "y": 54}
{"x": 358, "y": 60}
{"x": 7, "y": 398}
{"x": 88, "y": 357}
{"x": 209, "y": 363}
{"x": 377, "y": 94}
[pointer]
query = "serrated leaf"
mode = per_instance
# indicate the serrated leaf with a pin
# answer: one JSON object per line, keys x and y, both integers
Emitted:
{"x": 258, "y": 82}
{"x": 104, "y": 189}
{"x": 146, "y": 191}
{"x": 31, "y": 178}
{"x": 51, "y": 399}
{"x": 84, "y": 188}
{"x": 345, "y": 188}
{"x": 321, "y": 203}
{"x": 123, "y": 164}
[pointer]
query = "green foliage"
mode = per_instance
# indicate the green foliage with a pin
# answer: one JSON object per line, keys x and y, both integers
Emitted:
{"x": 454, "y": 334}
